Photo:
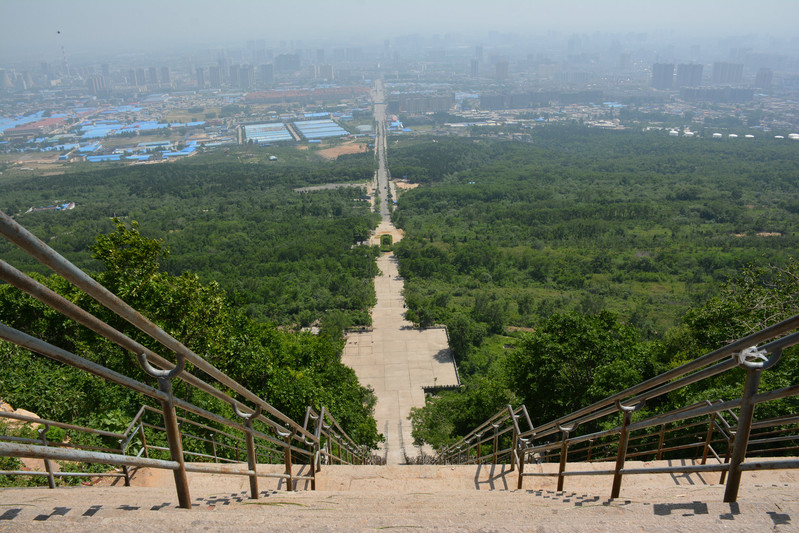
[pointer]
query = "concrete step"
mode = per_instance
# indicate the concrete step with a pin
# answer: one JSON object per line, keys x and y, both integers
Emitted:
{"x": 443, "y": 498}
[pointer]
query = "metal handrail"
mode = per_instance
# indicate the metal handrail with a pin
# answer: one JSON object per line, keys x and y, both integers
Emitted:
{"x": 262, "y": 421}
{"x": 726, "y": 442}
{"x": 42, "y": 440}
{"x": 336, "y": 446}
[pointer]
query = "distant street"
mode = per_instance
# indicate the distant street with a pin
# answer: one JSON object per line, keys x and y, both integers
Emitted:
{"x": 380, "y": 148}
{"x": 394, "y": 358}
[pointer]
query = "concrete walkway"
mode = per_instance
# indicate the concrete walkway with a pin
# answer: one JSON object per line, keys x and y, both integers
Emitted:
{"x": 412, "y": 498}
{"x": 395, "y": 359}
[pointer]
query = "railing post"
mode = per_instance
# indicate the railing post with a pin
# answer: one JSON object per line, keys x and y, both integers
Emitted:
{"x": 708, "y": 438}
{"x": 287, "y": 459}
{"x": 660, "y": 441}
{"x": 143, "y": 440}
{"x": 590, "y": 449}
{"x": 479, "y": 448}
{"x": 521, "y": 453}
{"x": 564, "y": 452}
{"x": 624, "y": 438}
{"x": 125, "y": 470}
{"x": 213, "y": 447}
{"x": 164, "y": 378}
{"x": 730, "y": 442}
{"x": 175, "y": 443}
{"x": 515, "y": 438}
{"x": 741, "y": 440}
{"x": 496, "y": 443}
{"x": 318, "y": 439}
{"x": 47, "y": 464}
{"x": 252, "y": 458}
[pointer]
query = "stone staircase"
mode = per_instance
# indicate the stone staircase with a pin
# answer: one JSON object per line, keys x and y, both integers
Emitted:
{"x": 406, "y": 498}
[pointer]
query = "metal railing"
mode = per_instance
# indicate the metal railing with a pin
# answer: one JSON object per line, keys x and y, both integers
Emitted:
{"x": 335, "y": 446}
{"x": 43, "y": 440}
{"x": 256, "y": 431}
{"x": 722, "y": 430}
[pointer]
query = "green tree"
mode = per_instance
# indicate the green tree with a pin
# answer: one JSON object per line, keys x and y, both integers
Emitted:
{"x": 573, "y": 360}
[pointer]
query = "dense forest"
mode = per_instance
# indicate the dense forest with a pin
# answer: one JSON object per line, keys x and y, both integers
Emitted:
{"x": 288, "y": 256}
{"x": 639, "y": 224}
{"x": 565, "y": 269}
{"x": 290, "y": 370}
{"x": 223, "y": 254}
{"x": 593, "y": 258}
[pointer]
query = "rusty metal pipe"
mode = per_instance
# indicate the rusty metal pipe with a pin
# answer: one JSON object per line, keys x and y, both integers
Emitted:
{"x": 53, "y": 352}
{"x": 10, "y": 449}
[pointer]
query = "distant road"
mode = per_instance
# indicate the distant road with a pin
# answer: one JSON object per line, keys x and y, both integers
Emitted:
{"x": 380, "y": 147}
{"x": 330, "y": 186}
{"x": 394, "y": 358}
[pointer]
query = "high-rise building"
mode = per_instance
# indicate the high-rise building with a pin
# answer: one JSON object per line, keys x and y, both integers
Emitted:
{"x": 152, "y": 76}
{"x": 267, "y": 74}
{"x": 689, "y": 75}
{"x": 234, "y": 76}
{"x": 764, "y": 78}
{"x": 324, "y": 72}
{"x": 728, "y": 73}
{"x": 663, "y": 75}
{"x": 200, "y": 78}
{"x": 246, "y": 76}
{"x": 136, "y": 77}
{"x": 165, "y": 77}
{"x": 96, "y": 86}
{"x": 478, "y": 52}
{"x": 501, "y": 70}
{"x": 224, "y": 65}
{"x": 474, "y": 68}
{"x": 215, "y": 76}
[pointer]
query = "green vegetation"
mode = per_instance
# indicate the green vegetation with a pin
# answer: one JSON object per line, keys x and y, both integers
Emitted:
{"x": 227, "y": 257}
{"x": 386, "y": 242}
{"x": 290, "y": 370}
{"x": 596, "y": 244}
{"x": 289, "y": 257}
{"x": 642, "y": 225}
{"x": 565, "y": 269}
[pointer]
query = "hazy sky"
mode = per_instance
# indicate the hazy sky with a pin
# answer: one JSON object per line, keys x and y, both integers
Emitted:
{"x": 30, "y": 27}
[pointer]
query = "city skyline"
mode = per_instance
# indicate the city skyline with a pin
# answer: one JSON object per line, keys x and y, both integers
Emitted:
{"x": 31, "y": 29}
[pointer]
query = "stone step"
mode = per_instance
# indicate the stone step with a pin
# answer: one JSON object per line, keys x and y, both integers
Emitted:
{"x": 405, "y": 498}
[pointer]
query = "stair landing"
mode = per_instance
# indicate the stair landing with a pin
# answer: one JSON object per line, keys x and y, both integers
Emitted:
{"x": 412, "y": 498}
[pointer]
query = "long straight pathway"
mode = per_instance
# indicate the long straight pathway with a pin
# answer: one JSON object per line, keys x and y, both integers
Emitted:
{"x": 394, "y": 358}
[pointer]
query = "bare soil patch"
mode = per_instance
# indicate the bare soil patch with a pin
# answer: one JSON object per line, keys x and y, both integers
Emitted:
{"x": 349, "y": 148}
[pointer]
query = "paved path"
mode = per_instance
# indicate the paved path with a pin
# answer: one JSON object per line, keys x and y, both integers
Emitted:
{"x": 395, "y": 359}
{"x": 414, "y": 498}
